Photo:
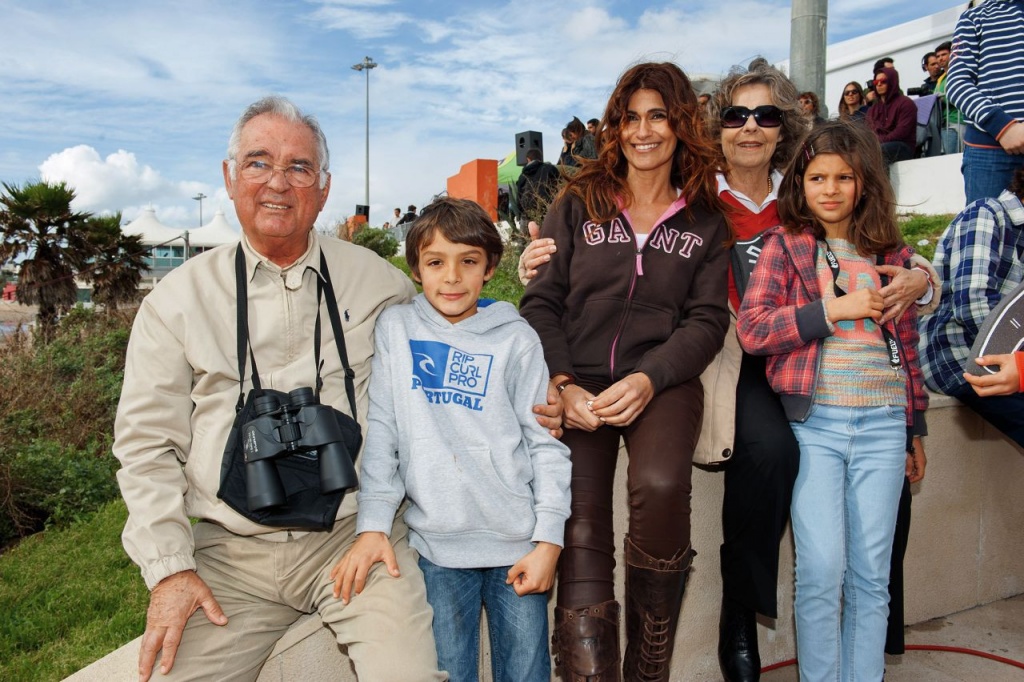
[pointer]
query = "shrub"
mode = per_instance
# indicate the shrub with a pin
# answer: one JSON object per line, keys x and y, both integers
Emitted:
{"x": 57, "y": 404}
{"x": 377, "y": 240}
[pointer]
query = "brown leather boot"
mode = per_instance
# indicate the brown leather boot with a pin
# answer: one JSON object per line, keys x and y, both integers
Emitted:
{"x": 586, "y": 643}
{"x": 654, "y": 593}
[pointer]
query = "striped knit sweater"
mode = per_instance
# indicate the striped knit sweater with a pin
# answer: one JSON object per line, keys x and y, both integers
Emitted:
{"x": 986, "y": 71}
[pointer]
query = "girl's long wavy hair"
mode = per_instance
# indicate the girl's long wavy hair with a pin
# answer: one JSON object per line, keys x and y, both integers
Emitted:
{"x": 601, "y": 183}
{"x": 873, "y": 226}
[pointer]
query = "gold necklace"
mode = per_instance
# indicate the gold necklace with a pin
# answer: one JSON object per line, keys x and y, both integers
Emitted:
{"x": 770, "y": 184}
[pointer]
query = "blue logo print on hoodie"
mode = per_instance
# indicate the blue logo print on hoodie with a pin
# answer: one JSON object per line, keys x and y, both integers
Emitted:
{"x": 449, "y": 375}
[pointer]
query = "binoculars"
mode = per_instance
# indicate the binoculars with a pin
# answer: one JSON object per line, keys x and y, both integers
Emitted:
{"x": 301, "y": 427}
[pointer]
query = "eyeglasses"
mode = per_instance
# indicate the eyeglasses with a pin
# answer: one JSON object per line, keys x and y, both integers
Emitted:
{"x": 765, "y": 116}
{"x": 850, "y": 92}
{"x": 880, "y": 81}
{"x": 260, "y": 172}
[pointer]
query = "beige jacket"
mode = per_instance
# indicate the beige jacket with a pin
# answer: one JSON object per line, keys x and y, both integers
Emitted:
{"x": 181, "y": 381}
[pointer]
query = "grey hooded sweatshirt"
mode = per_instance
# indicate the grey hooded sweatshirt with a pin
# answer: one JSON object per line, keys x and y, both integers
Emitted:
{"x": 451, "y": 427}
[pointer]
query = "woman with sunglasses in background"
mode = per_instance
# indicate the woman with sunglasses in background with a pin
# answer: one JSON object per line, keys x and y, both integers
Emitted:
{"x": 852, "y": 104}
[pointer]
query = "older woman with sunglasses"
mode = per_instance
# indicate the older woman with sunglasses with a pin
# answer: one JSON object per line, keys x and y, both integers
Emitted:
{"x": 852, "y": 104}
{"x": 758, "y": 119}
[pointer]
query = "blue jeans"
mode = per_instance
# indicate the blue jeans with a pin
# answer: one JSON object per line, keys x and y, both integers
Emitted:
{"x": 852, "y": 465}
{"x": 950, "y": 141}
{"x": 518, "y": 626}
{"x": 987, "y": 172}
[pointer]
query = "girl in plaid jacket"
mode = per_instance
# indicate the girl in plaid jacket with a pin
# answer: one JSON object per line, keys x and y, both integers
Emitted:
{"x": 852, "y": 390}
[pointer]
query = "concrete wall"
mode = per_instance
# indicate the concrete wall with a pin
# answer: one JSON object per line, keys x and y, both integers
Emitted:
{"x": 966, "y": 542}
{"x": 930, "y": 186}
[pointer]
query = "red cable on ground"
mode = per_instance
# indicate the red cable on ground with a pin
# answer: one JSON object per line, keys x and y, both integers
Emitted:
{"x": 780, "y": 664}
{"x": 923, "y": 647}
{"x": 970, "y": 652}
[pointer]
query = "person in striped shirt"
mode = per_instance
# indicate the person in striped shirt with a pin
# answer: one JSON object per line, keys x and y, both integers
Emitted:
{"x": 986, "y": 83}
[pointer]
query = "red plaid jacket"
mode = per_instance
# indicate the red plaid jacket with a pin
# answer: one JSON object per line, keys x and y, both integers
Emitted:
{"x": 782, "y": 316}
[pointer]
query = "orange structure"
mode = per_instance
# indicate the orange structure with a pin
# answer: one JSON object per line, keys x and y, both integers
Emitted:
{"x": 353, "y": 225}
{"x": 477, "y": 180}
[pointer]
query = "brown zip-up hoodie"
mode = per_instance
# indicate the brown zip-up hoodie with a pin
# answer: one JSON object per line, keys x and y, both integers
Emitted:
{"x": 604, "y": 308}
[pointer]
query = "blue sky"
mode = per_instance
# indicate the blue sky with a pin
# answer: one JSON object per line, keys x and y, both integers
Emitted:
{"x": 131, "y": 102}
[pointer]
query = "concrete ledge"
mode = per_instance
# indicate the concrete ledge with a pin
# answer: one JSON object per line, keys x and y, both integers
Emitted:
{"x": 966, "y": 541}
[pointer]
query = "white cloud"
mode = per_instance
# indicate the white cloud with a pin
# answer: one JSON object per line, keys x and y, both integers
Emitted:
{"x": 119, "y": 182}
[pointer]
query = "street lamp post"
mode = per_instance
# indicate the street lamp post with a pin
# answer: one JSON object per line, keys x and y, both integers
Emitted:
{"x": 199, "y": 197}
{"x": 366, "y": 65}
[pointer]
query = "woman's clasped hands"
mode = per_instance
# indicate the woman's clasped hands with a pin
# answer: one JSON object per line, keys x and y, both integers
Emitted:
{"x": 618, "y": 405}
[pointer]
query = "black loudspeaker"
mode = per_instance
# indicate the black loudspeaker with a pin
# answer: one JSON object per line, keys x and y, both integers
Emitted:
{"x": 525, "y": 141}
{"x": 363, "y": 211}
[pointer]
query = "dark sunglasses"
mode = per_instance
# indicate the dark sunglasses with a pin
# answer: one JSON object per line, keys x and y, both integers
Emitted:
{"x": 850, "y": 92}
{"x": 765, "y": 116}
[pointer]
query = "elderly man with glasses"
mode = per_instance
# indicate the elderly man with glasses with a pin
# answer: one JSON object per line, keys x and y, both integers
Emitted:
{"x": 224, "y": 591}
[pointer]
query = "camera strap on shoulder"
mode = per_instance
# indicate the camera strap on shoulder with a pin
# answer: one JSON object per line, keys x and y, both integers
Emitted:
{"x": 891, "y": 343}
{"x": 323, "y": 286}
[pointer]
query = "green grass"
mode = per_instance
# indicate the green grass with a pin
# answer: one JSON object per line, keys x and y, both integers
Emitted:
{"x": 67, "y": 598}
{"x": 922, "y": 232}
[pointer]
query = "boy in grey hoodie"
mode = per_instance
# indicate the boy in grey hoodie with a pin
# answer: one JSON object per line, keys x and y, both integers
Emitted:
{"x": 450, "y": 426}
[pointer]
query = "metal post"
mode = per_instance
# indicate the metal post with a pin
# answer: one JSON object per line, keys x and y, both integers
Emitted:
{"x": 366, "y": 65}
{"x": 808, "y": 24}
{"x": 199, "y": 197}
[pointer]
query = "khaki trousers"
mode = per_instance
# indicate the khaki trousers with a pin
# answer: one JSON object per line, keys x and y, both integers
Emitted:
{"x": 265, "y": 586}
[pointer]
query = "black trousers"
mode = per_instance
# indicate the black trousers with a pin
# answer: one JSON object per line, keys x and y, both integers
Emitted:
{"x": 758, "y": 491}
{"x": 894, "y": 642}
{"x": 660, "y": 443}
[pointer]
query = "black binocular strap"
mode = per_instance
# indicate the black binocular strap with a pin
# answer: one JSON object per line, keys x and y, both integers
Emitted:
{"x": 339, "y": 333}
{"x": 323, "y": 284}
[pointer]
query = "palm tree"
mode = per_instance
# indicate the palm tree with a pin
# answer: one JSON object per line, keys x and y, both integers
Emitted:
{"x": 38, "y": 226}
{"x": 118, "y": 261}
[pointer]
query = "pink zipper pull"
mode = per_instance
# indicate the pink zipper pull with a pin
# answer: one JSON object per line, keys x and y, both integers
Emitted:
{"x": 639, "y": 264}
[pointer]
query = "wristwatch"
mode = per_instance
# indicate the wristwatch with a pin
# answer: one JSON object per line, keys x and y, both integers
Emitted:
{"x": 560, "y": 386}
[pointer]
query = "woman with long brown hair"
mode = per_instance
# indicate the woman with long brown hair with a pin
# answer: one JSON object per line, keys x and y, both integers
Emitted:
{"x": 852, "y": 104}
{"x": 630, "y": 310}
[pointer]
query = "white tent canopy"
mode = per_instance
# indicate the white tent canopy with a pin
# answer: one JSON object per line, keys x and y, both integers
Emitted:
{"x": 151, "y": 230}
{"x": 213, "y": 233}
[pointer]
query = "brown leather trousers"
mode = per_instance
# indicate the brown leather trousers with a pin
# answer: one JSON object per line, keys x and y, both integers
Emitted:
{"x": 660, "y": 443}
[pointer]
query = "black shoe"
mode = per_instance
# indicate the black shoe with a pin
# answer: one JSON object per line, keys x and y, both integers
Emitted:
{"x": 737, "y": 644}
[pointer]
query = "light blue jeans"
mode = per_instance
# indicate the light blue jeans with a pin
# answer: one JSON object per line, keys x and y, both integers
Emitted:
{"x": 518, "y": 626}
{"x": 852, "y": 464}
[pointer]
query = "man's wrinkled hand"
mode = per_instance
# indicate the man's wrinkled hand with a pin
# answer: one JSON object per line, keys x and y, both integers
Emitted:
{"x": 171, "y": 603}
